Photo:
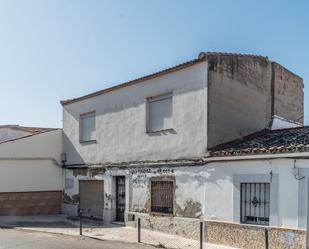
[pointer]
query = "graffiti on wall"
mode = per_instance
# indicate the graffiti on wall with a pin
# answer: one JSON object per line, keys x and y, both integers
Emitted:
{"x": 139, "y": 176}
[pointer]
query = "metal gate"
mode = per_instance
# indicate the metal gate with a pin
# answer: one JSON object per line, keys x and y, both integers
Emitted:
{"x": 120, "y": 198}
{"x": 91, "y": 196}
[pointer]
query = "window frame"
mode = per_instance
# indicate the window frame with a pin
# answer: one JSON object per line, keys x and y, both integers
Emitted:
{"x": 86, "y": 115}
{"x": 163, "y": 179}
{"x": 155, "y": 98}
{"x": 266, "y": 202}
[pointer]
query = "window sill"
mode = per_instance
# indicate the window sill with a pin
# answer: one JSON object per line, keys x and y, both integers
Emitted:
{"x": 88, "y": 142}
{"x": 162, "y": 214}
{"x": 161, "y": 131}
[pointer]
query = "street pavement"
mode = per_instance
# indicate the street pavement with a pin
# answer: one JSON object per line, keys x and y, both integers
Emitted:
{"x": 22, "y": 239}
{"x": 123, "y": 236}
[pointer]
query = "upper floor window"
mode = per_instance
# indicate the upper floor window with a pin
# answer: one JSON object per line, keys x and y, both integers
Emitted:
{"x": 87, "y": 127}
{"x": 159, "y": 113}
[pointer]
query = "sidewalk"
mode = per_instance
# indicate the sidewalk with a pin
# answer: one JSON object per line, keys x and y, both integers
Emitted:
{"x": 60, "y": 224}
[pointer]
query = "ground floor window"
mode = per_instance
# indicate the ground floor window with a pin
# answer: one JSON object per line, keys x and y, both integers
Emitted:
{"x": 254, "y": 203}
{"x": 162, "y": 196}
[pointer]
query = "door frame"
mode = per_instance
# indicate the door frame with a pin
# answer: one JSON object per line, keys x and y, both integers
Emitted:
{"x": 79, "y": 195}
{"x": 124, "y": 198}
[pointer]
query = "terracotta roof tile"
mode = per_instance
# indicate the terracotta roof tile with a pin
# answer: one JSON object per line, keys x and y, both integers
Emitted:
{"x": 203, "y": 55}
{"x": 266, "y": 142}
{"x": 32, "y": 130}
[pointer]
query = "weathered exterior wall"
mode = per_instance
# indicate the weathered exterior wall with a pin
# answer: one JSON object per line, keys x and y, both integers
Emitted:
{"x": 253, "y": 237}
{"x": 287, "y": 238}
{"x": 121, "y": 121}
{"x": 288, "y": 94}
{"x": 210, "y": 192}
{"x": 238, "y": 97}
{"x": 71, "y": 187}
{"x": 189, "y": 189}
{"x": 244, "y": 94}
{"x": 185, "y": 227}
{"x": 71, "y": 191}
{"x": 235, "y": 235}
{"x": 213, "y": 191}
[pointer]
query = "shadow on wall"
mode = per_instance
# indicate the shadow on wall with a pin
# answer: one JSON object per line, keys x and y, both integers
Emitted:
{"x": 74, "y": 155}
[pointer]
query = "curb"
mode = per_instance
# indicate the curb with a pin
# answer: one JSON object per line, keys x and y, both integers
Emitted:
{"x": 70, "y": 235}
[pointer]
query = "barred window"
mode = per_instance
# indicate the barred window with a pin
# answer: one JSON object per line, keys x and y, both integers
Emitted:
{"x": 162, "y": 195}
{"x": 255, "y": 203}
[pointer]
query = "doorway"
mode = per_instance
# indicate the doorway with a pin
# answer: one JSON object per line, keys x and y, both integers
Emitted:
{"x": 120, "y": 198}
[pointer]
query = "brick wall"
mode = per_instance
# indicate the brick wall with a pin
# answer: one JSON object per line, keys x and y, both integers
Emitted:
{"x": 30, "y": 203}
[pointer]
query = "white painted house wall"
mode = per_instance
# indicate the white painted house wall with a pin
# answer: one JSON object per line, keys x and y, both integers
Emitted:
{"x": 30, "y": 175}
{"x": 286, "y": 199}
{"x": 216, "y": 187}
{"x": 32, "y": 163}
{"x": 121, "y": 121}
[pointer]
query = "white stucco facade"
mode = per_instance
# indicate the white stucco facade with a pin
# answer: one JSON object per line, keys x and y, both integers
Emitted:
{"x": 121, "y": 121}
{"x": 32, "y": 163}
{"x": 210, "y": 191}
{"x": 214, "y": 188}
{"x": 204, "y": 188}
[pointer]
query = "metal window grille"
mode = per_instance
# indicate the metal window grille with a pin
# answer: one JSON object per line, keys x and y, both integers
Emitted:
{"x": 255, "y": 203}
{"x": 162, "y": 196}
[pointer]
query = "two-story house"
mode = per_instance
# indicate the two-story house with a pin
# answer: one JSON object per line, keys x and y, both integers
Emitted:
{"x": 139, "y": 149}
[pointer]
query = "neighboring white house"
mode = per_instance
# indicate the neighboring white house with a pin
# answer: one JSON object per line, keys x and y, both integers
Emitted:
{"x": 147, "y": 149}
{"x": 9, "y": 132}
{"x": 31, "y": 173}
{"x": 258, "y": 181}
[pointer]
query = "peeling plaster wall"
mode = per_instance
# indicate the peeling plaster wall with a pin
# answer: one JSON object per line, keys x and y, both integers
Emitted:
{"x": 71, "y": 192}
{"x": 212, "y": 192}
{"x": 189, "y": 189}
{"x": 71, "y": 188}
{"x": 121, "y": 121}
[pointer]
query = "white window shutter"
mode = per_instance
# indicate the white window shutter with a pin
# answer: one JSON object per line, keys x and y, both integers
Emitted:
{"x": 160, "y": 114}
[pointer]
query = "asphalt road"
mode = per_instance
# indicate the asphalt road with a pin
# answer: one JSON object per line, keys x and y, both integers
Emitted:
{"x": 20, "y": 239}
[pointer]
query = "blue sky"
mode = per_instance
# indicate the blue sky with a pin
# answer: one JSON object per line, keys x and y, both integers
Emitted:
{"x": 52, "y": 50}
